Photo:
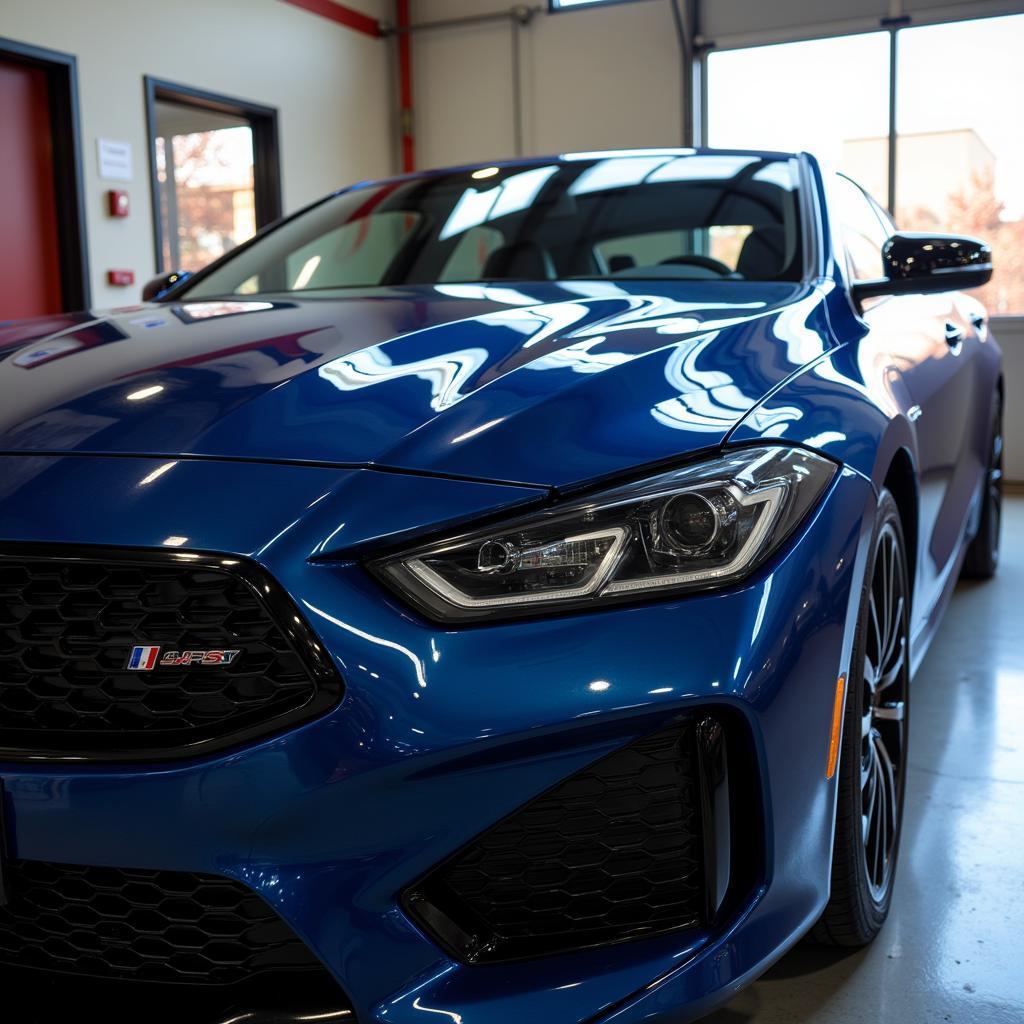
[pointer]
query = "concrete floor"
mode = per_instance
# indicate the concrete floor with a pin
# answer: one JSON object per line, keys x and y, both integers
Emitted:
{"x": 953, "y": 947}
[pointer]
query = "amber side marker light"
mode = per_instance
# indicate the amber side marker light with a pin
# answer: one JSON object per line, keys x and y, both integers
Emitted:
{"x": 837, "y": 724}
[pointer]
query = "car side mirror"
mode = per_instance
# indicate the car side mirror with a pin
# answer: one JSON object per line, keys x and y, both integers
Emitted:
{"x": 158, "y": 286}
{"x": 918, "y": 262}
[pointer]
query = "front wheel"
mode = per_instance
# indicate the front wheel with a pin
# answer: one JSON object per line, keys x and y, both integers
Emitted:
{"x": 873, "y": 757}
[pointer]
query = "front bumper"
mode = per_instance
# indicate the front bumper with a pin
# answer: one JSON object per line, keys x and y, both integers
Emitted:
{"x": 443, "y": 733}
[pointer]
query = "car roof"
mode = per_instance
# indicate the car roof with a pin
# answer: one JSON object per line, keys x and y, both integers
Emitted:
{"x": 572, "y": 157}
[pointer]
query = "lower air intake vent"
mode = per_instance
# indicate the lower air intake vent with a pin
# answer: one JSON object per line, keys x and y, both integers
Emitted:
{"x": 160, "y": 926}
{"x": 624, "y": 849}
{"x": 112, "y": 655}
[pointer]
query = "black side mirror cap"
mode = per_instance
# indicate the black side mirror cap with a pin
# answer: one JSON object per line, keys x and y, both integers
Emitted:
{"x": 919, "y": 262}
{"x": 160, "y": 285}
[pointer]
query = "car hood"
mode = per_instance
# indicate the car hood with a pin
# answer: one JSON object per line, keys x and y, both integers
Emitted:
{"x": 546, "y": 384}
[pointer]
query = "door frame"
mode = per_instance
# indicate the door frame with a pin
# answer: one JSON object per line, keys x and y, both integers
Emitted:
{"x": 265, "y": 146}
{"x": 68, "y": 183}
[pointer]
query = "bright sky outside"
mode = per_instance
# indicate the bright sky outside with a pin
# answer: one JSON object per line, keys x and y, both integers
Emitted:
{"x": 814, "y": 95}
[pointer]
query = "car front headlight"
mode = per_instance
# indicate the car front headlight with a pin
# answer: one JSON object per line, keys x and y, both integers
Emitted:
{"x": 702, "y": 526}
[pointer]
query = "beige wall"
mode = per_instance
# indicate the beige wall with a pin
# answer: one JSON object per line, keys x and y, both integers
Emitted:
{"x": 592, "y": 79}
{"x": 606, "y": 77}
{"x": 332, "y": 88}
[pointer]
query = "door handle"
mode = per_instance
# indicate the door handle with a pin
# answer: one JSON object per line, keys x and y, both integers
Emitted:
{"x": 954, "y": 335}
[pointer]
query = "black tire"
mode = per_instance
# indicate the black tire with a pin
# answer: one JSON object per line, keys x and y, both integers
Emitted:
{"x": 873, "y": 755}
{"x": 982, "y": 558}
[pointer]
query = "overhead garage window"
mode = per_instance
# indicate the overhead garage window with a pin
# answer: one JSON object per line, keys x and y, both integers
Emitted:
{"x": 956, "y": 141}
{"x": 567, "y": 5}
{"x": 960, "y": 147}
{"x": 819, "y": 95}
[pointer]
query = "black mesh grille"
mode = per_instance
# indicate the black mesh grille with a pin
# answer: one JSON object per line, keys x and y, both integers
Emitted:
{"x": 146, "y": 925}
{"x": 67, "y": 629}
{"x": 614, "y": 852}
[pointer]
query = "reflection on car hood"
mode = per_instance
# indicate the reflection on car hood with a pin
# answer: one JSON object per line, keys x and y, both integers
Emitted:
{"x": 548, "y": 384}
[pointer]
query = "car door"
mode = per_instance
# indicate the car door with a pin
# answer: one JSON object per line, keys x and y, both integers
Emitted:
{"x": 934, "y": 349}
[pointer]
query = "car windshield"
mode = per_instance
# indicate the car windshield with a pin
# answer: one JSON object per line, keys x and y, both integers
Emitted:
{"x": 652, "y": 215}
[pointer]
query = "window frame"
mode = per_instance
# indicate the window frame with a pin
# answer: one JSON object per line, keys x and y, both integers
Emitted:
{"x": 952, "y": 14}
{"x": 554, "y": 6}
{"x": 265, "y": 148}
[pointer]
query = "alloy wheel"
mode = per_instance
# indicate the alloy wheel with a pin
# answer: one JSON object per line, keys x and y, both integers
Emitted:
{"x": 883, "y": 714}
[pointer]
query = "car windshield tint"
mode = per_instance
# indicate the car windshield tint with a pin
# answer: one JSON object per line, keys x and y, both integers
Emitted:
{"x": 663, "y": 216}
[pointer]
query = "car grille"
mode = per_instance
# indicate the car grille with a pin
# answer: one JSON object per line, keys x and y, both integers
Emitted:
{"x": 161, "y": 926}
{"x": 625, "y": 848}
{"x": 68, "y": 624}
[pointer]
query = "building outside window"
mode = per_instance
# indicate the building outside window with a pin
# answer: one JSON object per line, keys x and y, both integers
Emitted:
{"x": 758, "y": 98}
{"x": 960, "y": 147}
{"x": 959, "y": 144}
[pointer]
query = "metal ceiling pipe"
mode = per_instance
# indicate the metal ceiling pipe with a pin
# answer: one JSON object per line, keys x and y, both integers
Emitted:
{"x": 405, "y": 113}
{"x": 516, "y": 17}
{"x": 685, "y": 14}
{"x": 521, "y": 14}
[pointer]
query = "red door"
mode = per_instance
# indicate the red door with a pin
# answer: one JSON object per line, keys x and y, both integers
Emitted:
{"x": 29, "y": 244}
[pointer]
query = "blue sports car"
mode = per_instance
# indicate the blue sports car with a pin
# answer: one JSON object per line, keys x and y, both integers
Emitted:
{"x": 488, "y": 595}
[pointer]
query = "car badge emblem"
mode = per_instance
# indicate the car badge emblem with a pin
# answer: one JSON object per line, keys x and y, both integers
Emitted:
{"x": 145, "y": 659}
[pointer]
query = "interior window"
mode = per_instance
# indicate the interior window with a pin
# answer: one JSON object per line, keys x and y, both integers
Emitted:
{"x": 205, "y": 177}
{"x": 960, "y": 162}
{"x": 863, "y": 231}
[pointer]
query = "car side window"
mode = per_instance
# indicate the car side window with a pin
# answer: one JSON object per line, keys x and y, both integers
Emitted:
{"x": 864, "y": 233}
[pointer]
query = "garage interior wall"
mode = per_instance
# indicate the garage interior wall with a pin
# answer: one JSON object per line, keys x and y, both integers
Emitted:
{"x": 729, "y": 23}
{"x": 609, "y": 77}
{"x": 332, "y": 87}
{"x": 592, "y": 78}
{"x": 604, "y": 77}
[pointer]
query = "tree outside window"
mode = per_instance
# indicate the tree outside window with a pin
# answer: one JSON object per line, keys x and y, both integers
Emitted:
{"x": 960, "y": 131}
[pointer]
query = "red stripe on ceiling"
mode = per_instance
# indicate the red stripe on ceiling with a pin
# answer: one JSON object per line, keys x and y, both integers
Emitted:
{"x": 340, "y": 14}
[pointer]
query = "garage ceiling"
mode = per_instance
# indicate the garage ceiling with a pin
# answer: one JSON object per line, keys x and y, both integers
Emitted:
{"x": 739, "y": 22}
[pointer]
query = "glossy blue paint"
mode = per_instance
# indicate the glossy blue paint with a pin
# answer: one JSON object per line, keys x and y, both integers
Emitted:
{"x": 242, "y": 512}
{"x": 304, "y": 434}
{"x": 332, "y": 820}
{"x": 421, "y": 380}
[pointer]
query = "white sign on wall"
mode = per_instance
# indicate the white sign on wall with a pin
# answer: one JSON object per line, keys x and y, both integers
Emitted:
{"x": 115, "y": 159}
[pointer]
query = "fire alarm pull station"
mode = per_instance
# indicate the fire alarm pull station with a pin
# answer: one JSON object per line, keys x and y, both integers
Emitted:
{"x": 117, "y": 202}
